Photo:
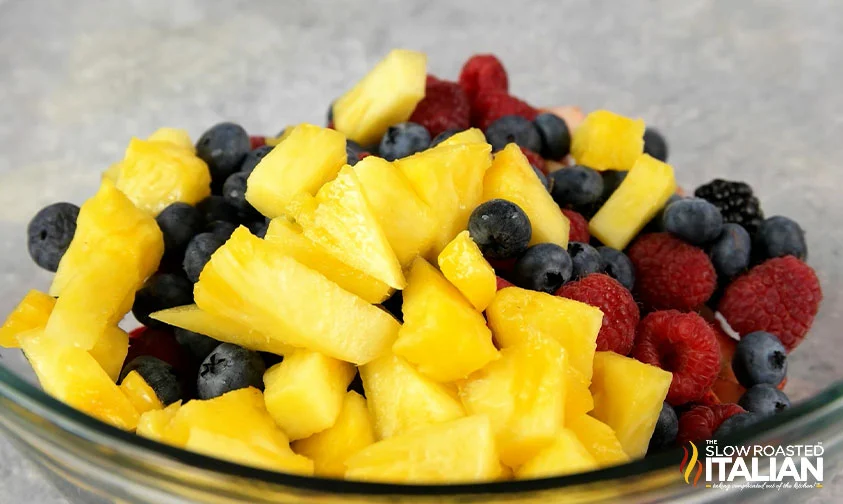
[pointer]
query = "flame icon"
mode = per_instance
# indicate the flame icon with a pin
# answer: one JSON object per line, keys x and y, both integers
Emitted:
{"x": 686, "y": 467}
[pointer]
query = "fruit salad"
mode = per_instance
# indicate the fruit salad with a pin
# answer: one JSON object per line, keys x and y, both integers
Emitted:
{"x": 444, "y": 284}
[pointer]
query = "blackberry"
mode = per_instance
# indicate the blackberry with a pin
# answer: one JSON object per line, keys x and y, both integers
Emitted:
{"x": 735, "y": 200}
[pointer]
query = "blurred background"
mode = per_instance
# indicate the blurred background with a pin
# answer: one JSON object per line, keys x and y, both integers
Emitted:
{"x": 747, "y": 90}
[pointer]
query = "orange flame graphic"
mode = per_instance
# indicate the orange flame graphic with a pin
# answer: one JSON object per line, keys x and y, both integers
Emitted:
{"x": 686, "y": 467}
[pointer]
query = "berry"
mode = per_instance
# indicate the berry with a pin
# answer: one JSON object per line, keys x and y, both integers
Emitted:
{"x": 544, "y": 267}
{"x": 256, "y": 141}
{"x": 513, "y": 129}
{"x": 655, "y": 144}
{"x": 759, "y": 358}
{"x": 764, "y": 400}
{"x": 215, "y": 208}
{"x": 354, "y": 152}
{"x": 684, "y": 344}
{"x": 490, "y": 106}
{"x": 536, "y": 161}
{"x": 731, "y": 252}
{"x": 158, "y": 343}
{"x": 778, "y": 237}
{"x": 671, "y": 274}
{"x": 258, "y": 227}
{"x": 234, "y": 192}
{"x": 50, "y": 232}
{"x": 441, "y": 137}
{"x": 586, "y": 260}
{"x": 694, "y": 220}
{"x": 198, "y": 253}
{"x": 577, "y": 186}
{"x": 229, "y": 367}
{"x": 502, "y": 283}
{"x": 483, "y": 72}
{"x": 618, "y": 266}
{"x": 402, "y": 140}
{"x": 223, "y": 148}
{"x": 556, "y": 139}
{"x": 735, "y": 423}
{"x": 667, "y": 427}
{"x": 735, "y": 200}
{"x": 196, "y": 346}
{"x": 700, "y": 422}
{"x": 160, "y": 376}
{"x": 357, "y": 385}
{"x": 611, "y": 181}
{"x": 544, "y": 180}
{"x": 393, "y": 305}
{"x": 330, "y": 114}
{"x": 444, "y": 106}
{"x": 780, "y": 296}
{"x": 253, "y": 158}
{"x": 620, "y": 312}
{"x": 500, "y": 228}
{"x": 161, "y": 291}
{"x": 179, "y": 222}
{"x": 271, "y": 359}
{"x": 137, "y": 332}
{"x": 579, "y": 226}
{"x": 221, "y": 229}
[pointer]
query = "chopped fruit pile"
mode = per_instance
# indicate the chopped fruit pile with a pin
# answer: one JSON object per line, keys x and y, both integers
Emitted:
{"x": 443, "y": 285}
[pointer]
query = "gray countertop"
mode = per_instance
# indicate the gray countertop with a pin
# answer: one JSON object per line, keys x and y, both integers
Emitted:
{"x": 744, "y": 89}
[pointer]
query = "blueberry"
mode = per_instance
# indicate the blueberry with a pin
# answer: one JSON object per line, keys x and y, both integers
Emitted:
{"x": 576, "y": 186}
{"x": 330, "y": 113}
{"x": 655, "y": 144}
{"x": 198, "y": 253}
{"x": 586, "y": 260}
{"x": 353, "y": 150}
{"x": 253, "y": 158}
{"x": 513, "y": 129}
{"x": 759, "y": 358}
{"x": 229, "y": 367}
{"x": 357, "y": 385}
{"x": 50, "y": 232}
{"x": 221, "y": 229}
{"x": 543, "y": 267}
{"x": 179, "y": 222}
{"x": 618, "y": 266}
{"x": 215, "y": 208}
{"x": 197, "y": 346}
{"x": 402, "y": 140}
{"x": 611, "y": 181}
{"x": 393, "y": 305}
{"x": 694, "y": 220}
{"x": 779, "y": 236}
{"x": 161, "y": 291}
{"x": 656, "y": 225}
{"x": 234, "y": 192}
{"x": 667, "y": 428}
{"x": 223, "y": 148}
{"x": 500, "y": 228}
{"x": 735, "y": 423}
{"x": 555, "y": 137}
{"x": 160, "y": 376}
{"x": 542, "y": 178}
{"x": 441, "y": 137}
{"x": 271, "y": 359}
{"x": 258, "y": 228}
{"x": 731, "y": 252}
{"x": 764, "y": 399}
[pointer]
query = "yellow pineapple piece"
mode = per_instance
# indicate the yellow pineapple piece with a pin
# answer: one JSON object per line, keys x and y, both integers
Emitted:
{"x": 463, "y": 265}
{"x": 330, "y": 448}
{"x": 344, "y": 223}
{"x": 387, "y": 95}
{"x": 110, "y": 351}
{"x": 140, "y": 394}
{"x": 628, "y": 397}
{"x": 288, "y": 239}
{"x": 401, "y": 399}
{"x": 641, "y": 195}
{"x": 409, "y": 223}
{"x": 31, "y": 313}
{"x": 304, "y": 392}
{"x": 599, "y": 439}
{"x": 469, "y": 136}
{"x": 235, "y": 450}
{"x": 247, "y": 281}
{"x": 523, "y": 393}
{"x": 459, "y": 451}
{"x": 442, "y": 335}
{"x": 302, "y": 163}
{"x": 175, "y": 136}
{"x": 154, "y": 423}
{"x": 566, "y": 455}
{"x": 608, "y": 141}
{"x": 512, "y": 178}
{"x": 449, "y": 179}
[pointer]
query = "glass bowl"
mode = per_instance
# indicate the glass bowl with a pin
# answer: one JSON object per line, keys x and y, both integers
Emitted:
{"x": 742, "y": 90}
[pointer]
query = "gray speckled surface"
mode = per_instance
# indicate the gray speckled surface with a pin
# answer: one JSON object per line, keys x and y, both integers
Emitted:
{"x": 745, "y": 89}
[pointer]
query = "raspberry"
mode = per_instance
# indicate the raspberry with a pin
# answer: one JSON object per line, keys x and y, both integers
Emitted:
{"x": 710, "y": 398}
{"x": 579, "y": 226}
{"x": 502, "y": 265}
{"x": 684, "y": 344}
{"x": 700, "y": 422}
{"x": 620, "y": 313}
{"x": 256, "y": 141}
{"x": 502, "y": 283}
{"x": 159, "y": 343}
{"x": 483, "y": 72}
{"x": 137, "y": 332}
{"x": 671, "y": 274}
{"x": 444, "y": 106}
{"x": 780, "y": 296}
{"x": 489, "y": 106}
{"x": 535, "y": 159}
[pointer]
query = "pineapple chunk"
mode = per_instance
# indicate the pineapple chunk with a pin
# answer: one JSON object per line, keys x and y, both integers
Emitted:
{"x": 247, "y": 281}
{"x": 343, "y": 222}
{"x": 449, "y": 178}
{"x": 154, "y": 423}
{"x": 641, "y": 195}
{"x": 469, "y": 136}
{"x": 110, "y": 351}
{"x": 387, "y": 95}
{"x": 401, "y": 399}
{"x": 304, "y": 392}
{"x": 463, "y": 265}
{"x": 608, "y": 141}
{"x": 31, "y": 313}
{"x": 174, "y": 136}
{"x": 140, "y": 394}
{"x": 599, "y": 439}
{"x": 512, "y": 178}
{"x": 234, "y": 450}
{"x": 288, "y": 239}
{"x": 566, "y": 455}
{"x": 628, "y": 397}
{"x": 351, "y": 433}
{"x": 523, "y": 394}
{"x": 409, "y": 223}
{"x": 459, "y": 451}
{"x": 308, "y": 158}
{"x": 442, "y": 333}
